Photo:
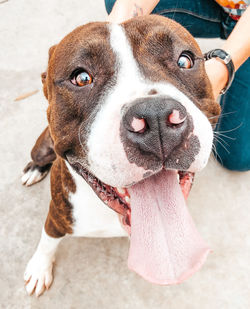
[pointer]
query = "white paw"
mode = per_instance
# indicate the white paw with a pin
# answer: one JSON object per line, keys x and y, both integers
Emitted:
{"x": 38, "y": 274}
{"x": 33, "y": 174}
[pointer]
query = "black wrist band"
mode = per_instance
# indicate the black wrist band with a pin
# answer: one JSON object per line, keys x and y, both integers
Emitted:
{"x": 227, "y": 60}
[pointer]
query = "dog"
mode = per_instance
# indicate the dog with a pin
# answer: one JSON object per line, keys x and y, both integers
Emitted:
{"x": 130, "y": 118}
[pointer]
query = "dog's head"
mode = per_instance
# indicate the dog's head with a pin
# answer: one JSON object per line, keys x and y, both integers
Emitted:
{"x": 130, "y": 108}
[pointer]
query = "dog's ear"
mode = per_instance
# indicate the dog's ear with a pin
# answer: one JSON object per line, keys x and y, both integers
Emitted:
{"x": 51, "y": 50}
{"x": 44, "y": 74}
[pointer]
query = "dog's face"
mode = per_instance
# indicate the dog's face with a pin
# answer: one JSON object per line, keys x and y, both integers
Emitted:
{"x": 130, "y": 105}
{"x": 113, "y": 91}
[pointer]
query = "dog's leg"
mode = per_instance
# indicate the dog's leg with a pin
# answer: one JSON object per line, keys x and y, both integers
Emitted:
{"x": 38, "y": 274}
{"x": 42, "y": 155}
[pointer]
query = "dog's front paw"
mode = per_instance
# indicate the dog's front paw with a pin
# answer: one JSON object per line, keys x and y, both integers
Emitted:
{"x": 38, "y": 274}
{"x": 33, "y": 173}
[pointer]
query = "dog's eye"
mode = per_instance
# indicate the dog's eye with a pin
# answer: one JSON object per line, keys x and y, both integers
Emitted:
{"x": 185, "y": 61}
{"x": 81, "y": 78}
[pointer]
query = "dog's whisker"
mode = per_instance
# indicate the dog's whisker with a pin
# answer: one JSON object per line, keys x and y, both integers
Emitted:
{"x": 223, "y": 146}
{"x": 216, "y": 135}
{"x": 224, "y": 135}
{"x": 216, "y": 153}
{"x": 222, "y": 115}
{"x": 221, "y": 139}
{"x": 236, "y": 128}
{"x": 218, "y": 138}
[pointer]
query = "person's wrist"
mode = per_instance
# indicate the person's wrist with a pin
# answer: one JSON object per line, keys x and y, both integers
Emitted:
{"x": 218, "y": 75}
{"x": 223, "y": 57}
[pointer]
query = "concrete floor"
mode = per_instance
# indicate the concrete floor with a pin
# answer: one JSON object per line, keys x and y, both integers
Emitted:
{"x": 92, "y": 273}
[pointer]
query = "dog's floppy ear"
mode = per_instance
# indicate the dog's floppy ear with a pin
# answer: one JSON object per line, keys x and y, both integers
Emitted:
{"x": 44, "y": 74}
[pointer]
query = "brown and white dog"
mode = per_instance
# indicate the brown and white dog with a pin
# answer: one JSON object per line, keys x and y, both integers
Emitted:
{"x": 129, "y": 110}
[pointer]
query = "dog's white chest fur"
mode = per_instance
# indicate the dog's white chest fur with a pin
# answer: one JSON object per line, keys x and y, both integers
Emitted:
{"x": 91, "y": 217}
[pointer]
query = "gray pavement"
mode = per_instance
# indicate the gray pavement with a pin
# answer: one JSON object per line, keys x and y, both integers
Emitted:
{"x": 92, "y": 273}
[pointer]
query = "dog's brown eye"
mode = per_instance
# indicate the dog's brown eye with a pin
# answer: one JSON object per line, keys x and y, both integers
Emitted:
{"x": 82, "y": 79}
{"x": 185, "y": 61}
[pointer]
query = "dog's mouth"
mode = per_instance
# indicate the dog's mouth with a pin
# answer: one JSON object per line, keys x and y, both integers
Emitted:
{"x": 165, "y": 246}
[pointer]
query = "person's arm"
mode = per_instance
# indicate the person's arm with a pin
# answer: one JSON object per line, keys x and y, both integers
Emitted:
{"x": 238, "y": 46}
{"x": 126, "y": 9}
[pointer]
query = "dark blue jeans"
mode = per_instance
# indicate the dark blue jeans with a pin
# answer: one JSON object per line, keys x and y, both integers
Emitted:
{"x": 206, "y": 19}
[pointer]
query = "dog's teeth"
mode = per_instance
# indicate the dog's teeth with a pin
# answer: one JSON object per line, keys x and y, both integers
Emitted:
{"x": 178, "y": 177}
{"x": 127, "y": 199}
{"x": 121, "y": 190}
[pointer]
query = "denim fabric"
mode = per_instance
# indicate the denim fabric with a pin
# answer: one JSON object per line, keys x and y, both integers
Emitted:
{"x": 203, "y": 18}
{"x": 233, "y": 141}
{"x": 206, "y": 19}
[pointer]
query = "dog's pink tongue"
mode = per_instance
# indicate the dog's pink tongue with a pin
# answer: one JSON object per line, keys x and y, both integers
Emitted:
{"x": 165, "y": 247}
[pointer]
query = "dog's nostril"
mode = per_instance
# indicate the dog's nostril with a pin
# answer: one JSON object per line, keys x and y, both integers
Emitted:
{"x": 175, "y": 118}
{"x": 138, "y": 125}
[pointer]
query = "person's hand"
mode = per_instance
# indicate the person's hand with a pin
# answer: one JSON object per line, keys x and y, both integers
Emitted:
{"x": 218, "y": 75}
{"x": 126, "y": 9}
{"x": 120, "y": 13}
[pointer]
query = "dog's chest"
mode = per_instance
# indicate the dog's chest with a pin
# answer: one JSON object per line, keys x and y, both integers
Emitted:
{"x": 91, "y": 217}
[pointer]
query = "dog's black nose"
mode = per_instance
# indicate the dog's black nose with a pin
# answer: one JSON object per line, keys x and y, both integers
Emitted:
{"x": 154, "y": 125}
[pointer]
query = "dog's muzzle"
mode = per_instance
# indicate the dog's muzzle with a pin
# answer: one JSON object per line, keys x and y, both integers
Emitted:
{"x": 152, "y": 129}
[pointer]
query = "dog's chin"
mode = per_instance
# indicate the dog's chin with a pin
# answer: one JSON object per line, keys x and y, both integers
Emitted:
{"x": 118, "y": 198}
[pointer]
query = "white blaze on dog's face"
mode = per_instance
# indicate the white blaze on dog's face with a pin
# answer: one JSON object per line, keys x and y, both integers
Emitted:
{"x": 110, "y": 157}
